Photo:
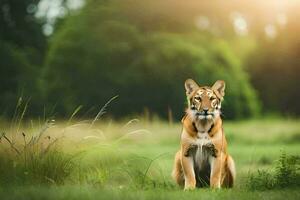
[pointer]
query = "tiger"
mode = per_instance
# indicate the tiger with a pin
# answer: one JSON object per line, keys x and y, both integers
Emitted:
{"x": 203, "y": 160}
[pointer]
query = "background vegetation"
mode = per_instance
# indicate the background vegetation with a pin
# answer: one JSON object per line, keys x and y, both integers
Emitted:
{"x": 144, "y": 50}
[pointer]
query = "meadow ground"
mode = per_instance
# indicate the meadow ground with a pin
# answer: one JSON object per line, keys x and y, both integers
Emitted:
{"x": 132, "y": 160}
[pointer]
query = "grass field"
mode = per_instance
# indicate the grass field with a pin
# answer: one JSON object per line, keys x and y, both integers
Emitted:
{"x": 132, "y": 160}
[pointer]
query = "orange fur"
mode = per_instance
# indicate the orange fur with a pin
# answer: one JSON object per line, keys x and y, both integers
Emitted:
{"x": 203, "y": 157}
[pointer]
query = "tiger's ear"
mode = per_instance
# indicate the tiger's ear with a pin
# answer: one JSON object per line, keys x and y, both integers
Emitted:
{"x": 219, "y": 88}
{"x": 190, "y": 86}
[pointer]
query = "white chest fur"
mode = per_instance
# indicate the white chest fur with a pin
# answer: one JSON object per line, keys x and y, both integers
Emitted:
{"x": 202, "y": 139}
{"x": 203, "y": 156}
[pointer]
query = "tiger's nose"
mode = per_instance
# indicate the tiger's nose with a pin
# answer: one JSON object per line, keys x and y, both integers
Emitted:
{"x": 205, "y": 110}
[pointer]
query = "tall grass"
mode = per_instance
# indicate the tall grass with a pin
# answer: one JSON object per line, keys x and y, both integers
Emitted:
{"x": 32, "y": 158}
{"x": 38, "y": 159}
{"x": 33, "y": 161}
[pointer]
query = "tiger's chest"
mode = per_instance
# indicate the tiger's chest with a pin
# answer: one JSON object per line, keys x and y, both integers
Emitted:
{"x": 203, "y": 156}
{"x": 202, "y": 153}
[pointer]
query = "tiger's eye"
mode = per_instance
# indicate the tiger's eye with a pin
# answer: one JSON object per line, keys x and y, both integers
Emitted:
{"x": 197, "y": 98}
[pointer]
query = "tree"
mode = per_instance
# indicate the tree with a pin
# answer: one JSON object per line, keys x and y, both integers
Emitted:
{"x": 103, "y": 51}
{"x": 22, "y": 47}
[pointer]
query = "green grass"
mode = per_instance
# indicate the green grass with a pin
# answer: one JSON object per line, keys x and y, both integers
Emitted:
{"x": 88, "y": 192}
{"x": 134, "y": 160}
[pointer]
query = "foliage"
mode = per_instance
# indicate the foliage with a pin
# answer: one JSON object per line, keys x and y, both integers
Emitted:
{"x": 146, "y": 67}
{"x": 286, "y": 175}
{"x": 19, "y": 25}
{"x": 288, "y": 171}
{"x": 22, "y": 46}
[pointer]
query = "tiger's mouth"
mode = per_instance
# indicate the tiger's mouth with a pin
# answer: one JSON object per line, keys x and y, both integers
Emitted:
{"x": 202, "y": 113}
{"x": 205, "y": 115}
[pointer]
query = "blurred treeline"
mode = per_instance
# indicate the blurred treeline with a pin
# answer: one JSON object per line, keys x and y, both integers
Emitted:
{"x": 143, "y": 50}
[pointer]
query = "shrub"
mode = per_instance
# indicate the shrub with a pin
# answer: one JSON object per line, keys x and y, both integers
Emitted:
{"x": 286, "y": 174}
{"x": 288, "y": 171}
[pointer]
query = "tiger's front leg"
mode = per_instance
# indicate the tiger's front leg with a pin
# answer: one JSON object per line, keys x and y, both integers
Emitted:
{"x": 189, "y": 174}
{"x": 217, "y": 167}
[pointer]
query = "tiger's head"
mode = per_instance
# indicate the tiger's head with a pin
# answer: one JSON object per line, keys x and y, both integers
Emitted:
{"x": 204, "y": 103}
